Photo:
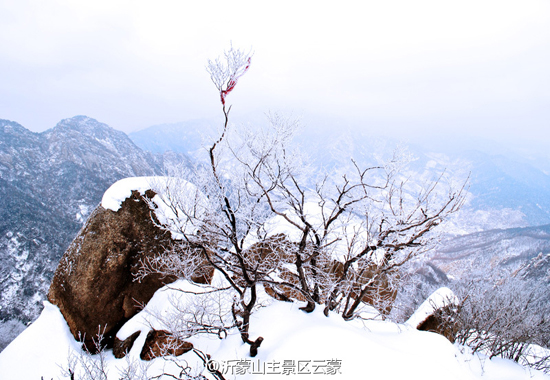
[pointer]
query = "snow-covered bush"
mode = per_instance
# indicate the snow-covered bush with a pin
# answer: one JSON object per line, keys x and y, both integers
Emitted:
{"x": 508, "y": 320}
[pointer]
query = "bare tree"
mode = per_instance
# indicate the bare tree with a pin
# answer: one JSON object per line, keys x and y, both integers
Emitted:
{"x": 84, "y": 365}
{"x": 213, "y": 226}
{"x": 345, "y": 236}
{"x": 354, "y": 232}
{"x": 205, "y": 310}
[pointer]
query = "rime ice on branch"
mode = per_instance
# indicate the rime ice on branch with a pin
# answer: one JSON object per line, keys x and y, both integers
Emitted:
{"x": 226, "y": 74}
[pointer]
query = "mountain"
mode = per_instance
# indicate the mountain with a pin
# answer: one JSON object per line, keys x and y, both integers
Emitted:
{"x": 184, "y": 137}
{"x": 500, "y": 253}
{"x": 500, "y": 182}
{"x": 50, "y": 182}
{"x": 507, "y": 188}
{"x": 521, "y": 255}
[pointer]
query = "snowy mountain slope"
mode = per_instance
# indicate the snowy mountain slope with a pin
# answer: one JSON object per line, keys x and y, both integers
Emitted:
{"x": 503, "y": 182}
{"x": 55, "y": 178}
{"x": 521, "y": 255}
{"x": 50, "y": 182}
{"x": 295, "y": 344}
{"x": 498, "y": 253}
{"x": 508, "y": 188}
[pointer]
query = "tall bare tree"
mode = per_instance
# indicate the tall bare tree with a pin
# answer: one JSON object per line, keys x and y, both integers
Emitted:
{"x": 260, "y": 216}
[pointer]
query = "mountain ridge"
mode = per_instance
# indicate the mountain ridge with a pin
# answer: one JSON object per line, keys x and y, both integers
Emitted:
{"x": 51, "y": 181}
{"x": 499, "y": 179}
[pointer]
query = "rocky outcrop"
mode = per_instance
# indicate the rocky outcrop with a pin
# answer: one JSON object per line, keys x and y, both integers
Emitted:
{"x": 162, "y": 343}
{"x": 437, "y": 314}
{"x": 94, "y": 285}
{"x": 278, "y": 251}
{"x": 122, "y": 347}
{"x": 441, "y": 321}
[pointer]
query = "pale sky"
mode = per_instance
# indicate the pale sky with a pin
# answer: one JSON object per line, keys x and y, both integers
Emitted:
{"x": 474, "y": 67}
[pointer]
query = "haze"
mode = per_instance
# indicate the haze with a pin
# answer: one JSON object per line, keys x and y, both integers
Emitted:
{"x": 422, "y": 68}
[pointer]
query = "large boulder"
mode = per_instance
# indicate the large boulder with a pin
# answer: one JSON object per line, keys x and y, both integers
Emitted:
{"x": 95, "y": 284}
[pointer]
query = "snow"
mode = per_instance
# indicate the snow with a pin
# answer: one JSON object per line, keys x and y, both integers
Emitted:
{"x": 83, "y": 212}
{"x": 440, "y": 298}
{"x": 366, "y": 351}
{"x": 122, "y": 189}
{"x": 358, "y": 349}
{"x": 188, "y": 198}
{"x": 39, "y": 349}
{"x": 293, "y": 340}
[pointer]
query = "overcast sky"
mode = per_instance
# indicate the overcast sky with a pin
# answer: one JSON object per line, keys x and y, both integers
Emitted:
{"x": 477, "y": 67}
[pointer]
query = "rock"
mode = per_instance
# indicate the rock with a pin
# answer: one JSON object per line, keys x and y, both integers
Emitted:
{"x": 162, "y": 343}
{"x": 122, "y": 347}
{"x": 278, "y": 251}
{"x": 437, "y": 314}
{"x": 441, "y": 322}
{"x": 382, "y": 290}
{"x": 94, "y": 285}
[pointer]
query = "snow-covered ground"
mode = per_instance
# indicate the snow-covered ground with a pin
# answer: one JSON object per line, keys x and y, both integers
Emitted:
{"x": 295, "y": 344}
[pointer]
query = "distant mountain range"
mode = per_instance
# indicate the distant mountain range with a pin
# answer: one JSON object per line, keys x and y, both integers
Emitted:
{"x": 185, "y": 137}
{"x": 502, "y": 252}
{"x": 502, "y": 182}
